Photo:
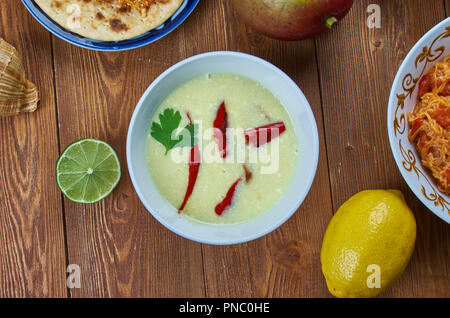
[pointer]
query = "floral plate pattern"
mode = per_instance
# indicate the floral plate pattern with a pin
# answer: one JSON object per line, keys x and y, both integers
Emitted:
{"x": 433, "y": 47}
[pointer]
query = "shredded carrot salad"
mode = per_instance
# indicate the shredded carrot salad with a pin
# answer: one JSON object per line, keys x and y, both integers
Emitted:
{"x": 430, "y": 123}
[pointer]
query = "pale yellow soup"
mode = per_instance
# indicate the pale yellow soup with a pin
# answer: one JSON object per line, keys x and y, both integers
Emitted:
{"x": 272, "y": 166}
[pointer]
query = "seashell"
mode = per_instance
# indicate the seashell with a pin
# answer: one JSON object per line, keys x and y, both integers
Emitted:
{"x": 17, "y": 94}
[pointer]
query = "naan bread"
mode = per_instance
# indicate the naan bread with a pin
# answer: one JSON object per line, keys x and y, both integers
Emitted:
{"x": 107, "y": 20}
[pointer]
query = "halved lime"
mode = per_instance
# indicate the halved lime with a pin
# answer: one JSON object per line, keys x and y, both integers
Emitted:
{"x": 87, "y": 170}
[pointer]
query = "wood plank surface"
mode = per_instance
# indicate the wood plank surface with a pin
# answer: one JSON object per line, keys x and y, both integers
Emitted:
{"x": 357, "y": 66}
{"x": 32, "y": 247}
{"x": 121, "y": 249}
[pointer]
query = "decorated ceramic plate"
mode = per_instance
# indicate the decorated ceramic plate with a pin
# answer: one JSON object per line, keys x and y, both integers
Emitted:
{"x": 43, "y": 17}
{"x": 410, "y": 86}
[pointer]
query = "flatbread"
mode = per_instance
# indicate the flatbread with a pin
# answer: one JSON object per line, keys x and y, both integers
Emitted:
{"x": 107, "y": 20}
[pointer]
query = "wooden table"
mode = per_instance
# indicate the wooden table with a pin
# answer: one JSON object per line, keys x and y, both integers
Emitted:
{"x": 121, "y": 249}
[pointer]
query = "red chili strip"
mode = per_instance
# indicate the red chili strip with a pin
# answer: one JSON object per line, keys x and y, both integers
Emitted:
{"x": 442, "y": 116}
{"x": 248, "y": 173}
{"x": 264, "y": 134}
{"x": 442, "y": 184}
{"x": 424, "y": 85}
{"x": 194, "y": 165}
{"x": 222, "y": 206}
{"x": 221, "y": 124}
{"x": 189, "y": 118}
{"x": 422, "y": 141}
{"x": 446, "y": 91}
{"x": 416, "y": 125}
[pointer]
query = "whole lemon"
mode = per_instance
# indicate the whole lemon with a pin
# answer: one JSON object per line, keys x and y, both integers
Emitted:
{"x": 368, "y": 243}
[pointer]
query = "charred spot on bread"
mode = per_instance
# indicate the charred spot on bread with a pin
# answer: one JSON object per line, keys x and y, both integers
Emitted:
{"x": 56, "y": 4}
{"x": 117, "y": 25}
{"x": 124, "y": 9}
{"x": 99, "y": 16}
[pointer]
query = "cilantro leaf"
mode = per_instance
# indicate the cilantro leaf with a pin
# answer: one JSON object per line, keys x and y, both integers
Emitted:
{"x": 188, "y": 136}
{"x": 162, "y": 132}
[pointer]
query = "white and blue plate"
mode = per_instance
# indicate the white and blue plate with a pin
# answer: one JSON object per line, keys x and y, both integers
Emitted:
{"x": 151, "y": 36}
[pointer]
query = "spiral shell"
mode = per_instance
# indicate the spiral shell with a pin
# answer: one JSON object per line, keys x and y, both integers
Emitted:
{"x": 17, "y": 94}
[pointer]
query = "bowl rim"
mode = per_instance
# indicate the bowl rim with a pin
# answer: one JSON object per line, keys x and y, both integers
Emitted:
{"x": 390, "y": 117}
{"x": 244, "y": 238}
{"x": 52, "y": 26}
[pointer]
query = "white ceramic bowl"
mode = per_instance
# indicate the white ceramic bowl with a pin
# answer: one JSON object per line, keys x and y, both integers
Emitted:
{"x": 268, "y": 76}
{"x": 431, "y": 48}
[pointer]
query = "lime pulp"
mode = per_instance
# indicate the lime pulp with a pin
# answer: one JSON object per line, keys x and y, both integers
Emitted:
{"x": 87, "y": 171}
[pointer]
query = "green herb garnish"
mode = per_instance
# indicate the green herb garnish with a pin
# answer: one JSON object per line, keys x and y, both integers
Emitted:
{"x": 192, "y": 131}
{"x": 164, "y": 131}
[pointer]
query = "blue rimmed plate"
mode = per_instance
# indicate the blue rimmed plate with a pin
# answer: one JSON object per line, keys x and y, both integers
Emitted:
{"x": 153, "y": 35}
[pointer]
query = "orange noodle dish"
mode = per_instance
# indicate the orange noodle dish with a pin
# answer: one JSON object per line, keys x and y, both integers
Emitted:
{"x": 430, "y": 123}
